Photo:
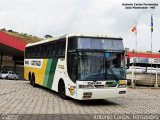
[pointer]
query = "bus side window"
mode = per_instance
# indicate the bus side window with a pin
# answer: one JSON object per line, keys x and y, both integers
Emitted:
{"x": 36, "y": 47}
{"x": 26, "y": 52}
{"x": 32, "y": 55}
{"x": 34, "y": 52}
{"x": 38, "y": 51}
{"x": 50, "y": 50}
{"x": 44, "y": 51}
{"x": 53, "y": 49}
{"x": 62, "y": 49}
{"x": 58, "y": 48}
{"x": 46, "y": 48}
{"x": 30, "y": 52}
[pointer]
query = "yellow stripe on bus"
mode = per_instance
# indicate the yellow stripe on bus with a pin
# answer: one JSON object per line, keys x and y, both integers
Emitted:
{"x": 38, "y": 72}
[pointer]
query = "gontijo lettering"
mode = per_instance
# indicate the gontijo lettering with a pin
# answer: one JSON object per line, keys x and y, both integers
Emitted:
{"x": 36, "y": 63}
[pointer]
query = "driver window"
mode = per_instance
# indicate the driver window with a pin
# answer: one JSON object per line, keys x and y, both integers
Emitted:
{"x": 73, "y": 66}
{"x": 112, "y": 60}
{"x": 117, "y": 61}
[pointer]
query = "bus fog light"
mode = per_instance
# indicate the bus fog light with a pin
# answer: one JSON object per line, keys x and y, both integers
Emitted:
{"x": 122, "y": 92}
{"x": 87, "y": 93}
{"x": 121, "y": 86}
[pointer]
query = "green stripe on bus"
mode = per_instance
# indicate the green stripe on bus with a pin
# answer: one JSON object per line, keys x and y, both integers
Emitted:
{"x": 49, "y": 73}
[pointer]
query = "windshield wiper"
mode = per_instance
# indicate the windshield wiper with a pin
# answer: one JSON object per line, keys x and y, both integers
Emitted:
{"x": 113, "y": 73}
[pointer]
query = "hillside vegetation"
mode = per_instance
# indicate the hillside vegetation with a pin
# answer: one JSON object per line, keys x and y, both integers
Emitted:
{"x": 22, "y": 36}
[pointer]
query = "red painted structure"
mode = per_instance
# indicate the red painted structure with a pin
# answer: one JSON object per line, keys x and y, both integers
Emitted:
{"x": 13, "y": 48}
{"x": 12, "y": 42}
{"x": 142, "y": 55}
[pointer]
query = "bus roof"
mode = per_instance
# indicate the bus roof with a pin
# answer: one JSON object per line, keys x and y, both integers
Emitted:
{"x": 73, "y": 35}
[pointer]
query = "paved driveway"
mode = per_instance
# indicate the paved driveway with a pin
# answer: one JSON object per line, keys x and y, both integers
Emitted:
{"x": 19, "y": 97}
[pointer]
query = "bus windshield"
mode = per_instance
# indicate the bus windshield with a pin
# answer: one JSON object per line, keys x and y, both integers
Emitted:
{"x": 96, "y": 66}
{"x": 100, "y": 66}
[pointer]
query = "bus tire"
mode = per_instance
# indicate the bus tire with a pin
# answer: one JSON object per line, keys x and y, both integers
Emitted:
{"x": 33, "y": 80}
{"x": 61, "y": 90}
{"x": 29, "y": 78}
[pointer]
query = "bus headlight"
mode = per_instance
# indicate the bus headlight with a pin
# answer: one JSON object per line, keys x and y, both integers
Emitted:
{"x": 86, "y": 86}
{"x": 122, "y": 84}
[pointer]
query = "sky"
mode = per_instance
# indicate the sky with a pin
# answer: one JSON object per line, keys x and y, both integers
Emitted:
{"x": 58, "y": 17}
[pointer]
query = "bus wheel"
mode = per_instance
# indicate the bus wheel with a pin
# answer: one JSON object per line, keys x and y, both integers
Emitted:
{"x": 29, "y": 78}
{"x": 33, "y": 81}
{"x": 61, "y": 90}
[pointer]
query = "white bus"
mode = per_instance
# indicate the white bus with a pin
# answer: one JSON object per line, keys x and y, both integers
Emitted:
{"x": 78, "y": 66}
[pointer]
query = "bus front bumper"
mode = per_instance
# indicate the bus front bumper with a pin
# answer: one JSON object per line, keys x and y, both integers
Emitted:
{"x": 87, "y": 94}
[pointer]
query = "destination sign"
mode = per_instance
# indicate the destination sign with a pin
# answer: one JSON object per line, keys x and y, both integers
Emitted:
{"x": 100, "y": 44}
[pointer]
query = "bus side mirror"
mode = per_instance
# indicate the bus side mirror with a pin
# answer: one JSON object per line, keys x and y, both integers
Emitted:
{"x": 128, "y": 63}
